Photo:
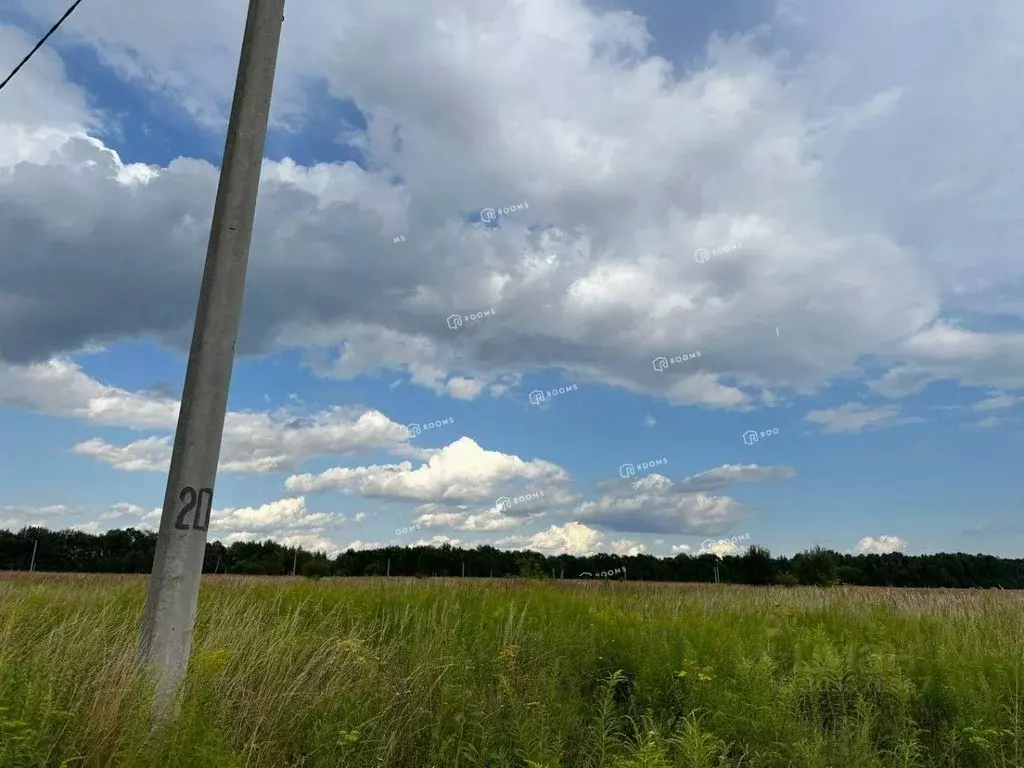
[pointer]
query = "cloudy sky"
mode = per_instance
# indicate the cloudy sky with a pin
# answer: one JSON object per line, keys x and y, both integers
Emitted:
{"x": 821, "y": 198}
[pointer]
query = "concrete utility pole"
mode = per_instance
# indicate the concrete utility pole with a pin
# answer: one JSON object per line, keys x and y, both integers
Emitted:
{"x": 32, "y": 565}
{"x": 181, "y": 544}
{"x": 295, "y": 560}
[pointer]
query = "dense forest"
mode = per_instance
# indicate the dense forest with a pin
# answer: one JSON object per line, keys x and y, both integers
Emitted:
{"x": 131, "y": 551}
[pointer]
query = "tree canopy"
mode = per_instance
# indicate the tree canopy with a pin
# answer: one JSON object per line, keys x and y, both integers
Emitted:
{"x": 131, "y": 551}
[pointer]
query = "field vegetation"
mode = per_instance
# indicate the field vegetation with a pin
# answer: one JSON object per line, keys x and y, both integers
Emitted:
{"x": 458, "y": 673}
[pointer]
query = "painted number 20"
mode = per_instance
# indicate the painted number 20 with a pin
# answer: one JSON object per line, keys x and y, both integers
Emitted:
{"x": 194, "y": 501}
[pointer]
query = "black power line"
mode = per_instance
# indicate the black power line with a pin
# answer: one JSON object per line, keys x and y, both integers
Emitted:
{"x": 40, "y": 43}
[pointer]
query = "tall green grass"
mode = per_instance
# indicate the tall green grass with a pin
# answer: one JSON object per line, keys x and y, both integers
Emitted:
{"x": 460, "y": 673}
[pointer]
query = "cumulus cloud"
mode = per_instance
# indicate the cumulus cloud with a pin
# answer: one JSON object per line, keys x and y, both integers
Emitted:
{"x": 571, "y": 539}
{"x": 656, "y": 504}
{"x": 254, "y": 442}
{"x": 460, "y": 472}
{"x": 628, "y": 548}
{"x": 880, "y": 545}
{"x": 40, "y": 106}
{"x": 281, "y": 516}
{"x": 756, "y": 163}
{"x": 831, "y": 171}
{"x": 944, "y": 352}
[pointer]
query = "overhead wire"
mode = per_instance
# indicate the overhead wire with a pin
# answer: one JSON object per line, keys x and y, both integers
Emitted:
{"x": 39, "y": 45}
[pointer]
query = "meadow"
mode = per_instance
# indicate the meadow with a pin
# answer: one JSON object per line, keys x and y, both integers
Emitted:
{"x": 456, "y": 673}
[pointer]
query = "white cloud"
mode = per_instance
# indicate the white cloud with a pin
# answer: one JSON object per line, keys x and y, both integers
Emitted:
{"x": 360, "y": 545}
{"x": 996, "y": 401}
{"x": 880, "y": 545}
{"x": 152, "y": 454}
{"x": 85, "y": 518}
{"x": 254, "y": 442}
{"x": 832, "y": 169}
{"x": 283, "y": 515}
{"x": 857, "y": 417}
{"x": 38, "y": 96}
{"x": 628, "y": 548}
{"x": 437, "y": 541}
{"x": 730, "y": 474}
{"x": 572, "y": 538}
{"x": 655, "y": 504}
{"x": 990, "y": 422}
{"x": 944, "y": 352}
{"x": 462, "y": 471}
{"x": 52, "y": 510}
{"x": 768, "y": 156}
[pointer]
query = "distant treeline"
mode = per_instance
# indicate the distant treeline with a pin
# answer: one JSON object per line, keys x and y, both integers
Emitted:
{"x": 131, "y": 551}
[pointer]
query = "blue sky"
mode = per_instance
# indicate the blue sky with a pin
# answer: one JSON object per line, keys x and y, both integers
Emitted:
{"x": 861, "y": 296}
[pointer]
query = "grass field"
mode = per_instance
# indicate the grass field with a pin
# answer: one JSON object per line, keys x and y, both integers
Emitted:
{"x": 444, "y": 673}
